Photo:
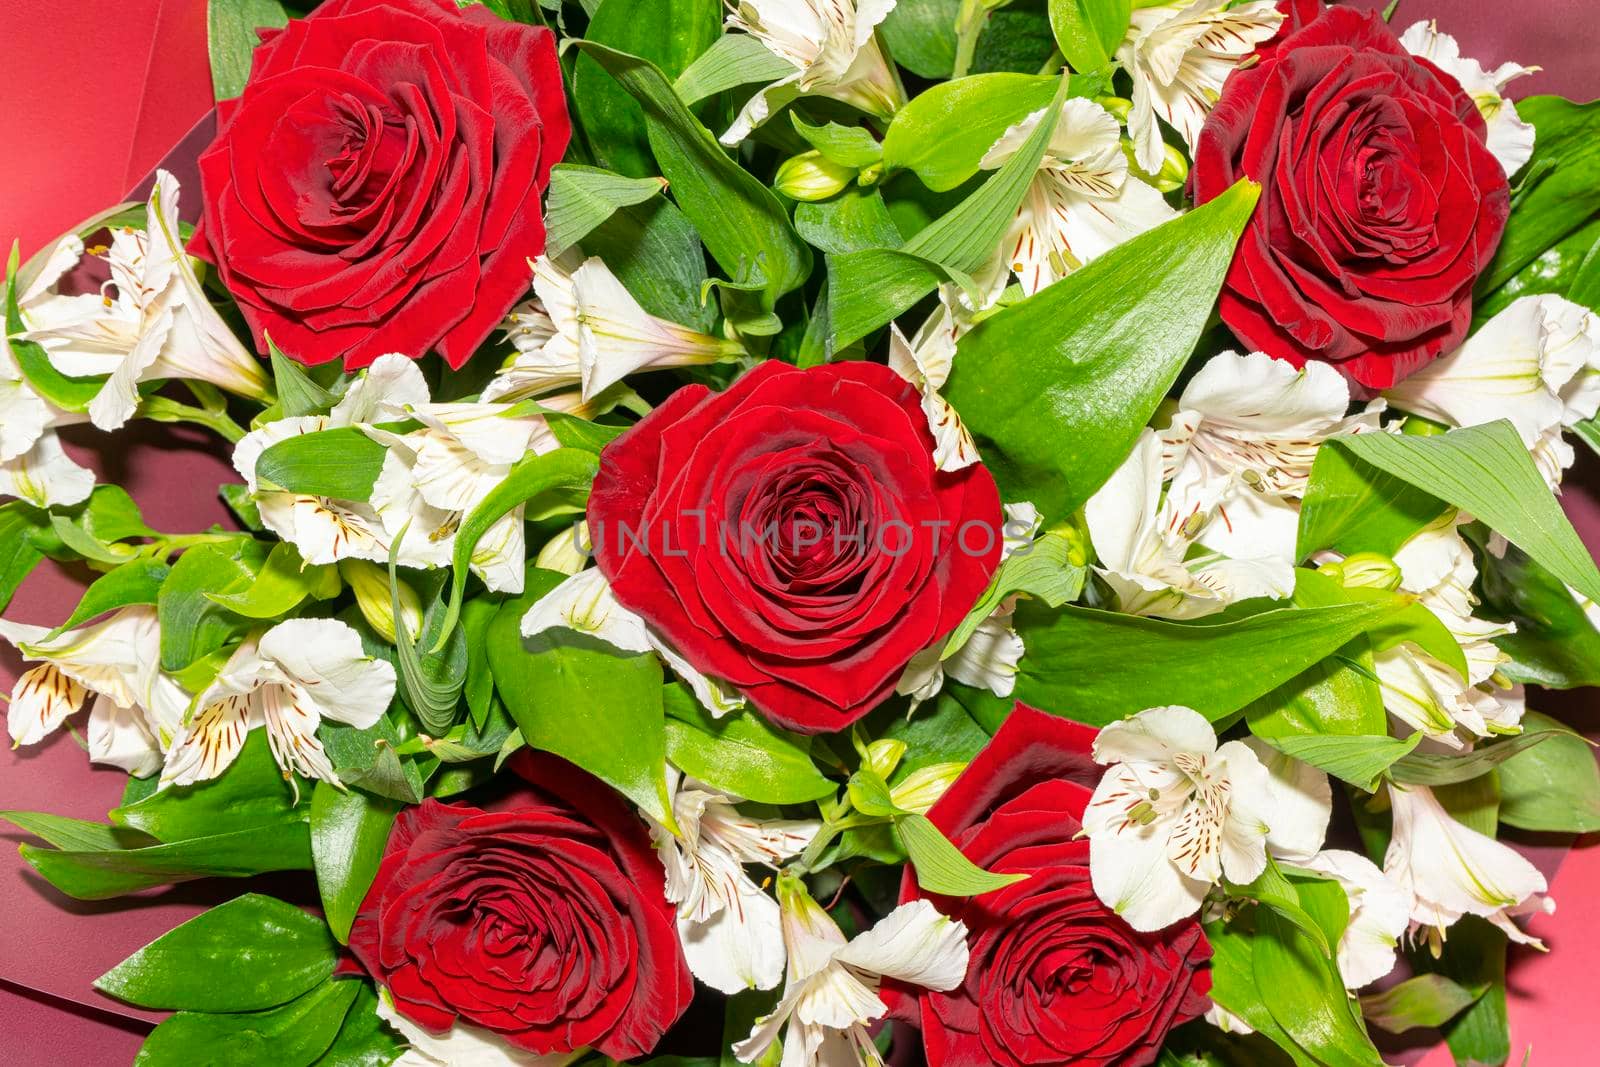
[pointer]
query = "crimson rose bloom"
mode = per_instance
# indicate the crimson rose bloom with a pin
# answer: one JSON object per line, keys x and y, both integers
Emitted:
{"x": 790, "y": 535}
{"x": 1380, "y": 204}
{"x": 546, "y": 923}
{"x": 376, "y": 188}
{"x": 1055, "y": 976}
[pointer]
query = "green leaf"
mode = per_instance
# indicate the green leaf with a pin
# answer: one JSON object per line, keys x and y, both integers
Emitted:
{"x": 669, "y": 33}
{"x": 562, "y": 477}
{"x": 192, "y": 624}
{"x": 741, "y": 221}
{"x": 250, "y": 794}
{"x": 231, "y": 35}
{"x": 1339, "y": 695}
{"x": 1426, "y": 1001}
{"x": 1554, "y": 786}
{"x": 574, "y": 432}
{"x": 921, "y": 36}
{"x": 1559, "y": 269}
{"x": 548, "y": 681}
{"x": 364, "y": 1040}
{"x": 940, "y": 866}
{"x": 944, "y": 733}
{"x": 740, "y": 753}
{"x": 581, "y": 198}
{"x": 1307, "y": 998}
{"x": 18, "y": 556}
{"x": 1567, "y": 136}
{"x": 1555, "y": 645}
{"x": 1410, "y": 622}
{"x": 75, "y": 834}
{"x": 1475, "y": 956}
{"x": 1360, "y": 760}
{"x": 348, "y": 833}
{"x": 945, "y": 132}
{"x": 111, "y": 515}
{"x": 1097, "y": 666}
{"x": 251, "y": 953}
{"x": 854, "y": 220}
{"x": 1486, "y": 470}
{"x": 293, "y": 1035}
{"x": 1234, "y": 983}
{"x": 298, "y": 393}
{"x": 869, "y": 794}
{"x": 1351, "y": 507}
{"x": 1049, "y": 569}
{"x": 102, "y": 873}
{"x": 848, "y": 146}
{"x": 735, "y": 59}
{"x": 433, "y": 665}
{"x": 342, "y": 463}
{"x": 1277, "y": 892}
{"x": 366, "y": 759}
{"x": 1088, "y": 31}
{"x": 135, "y": 582}
{"x": 1440, "y": 768}
{"x": 285, "y": 580}
{"x": 1056, "y": 389}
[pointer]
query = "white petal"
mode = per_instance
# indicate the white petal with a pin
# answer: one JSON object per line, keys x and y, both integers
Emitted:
{"x": 291, "y": 720}
{"x": 23, "y": 417}
{"x": 738, "y": 948}
{"x": 1133, "y": 877}
{"x": 120, "y": 737}
{"x": 990, "y": 658}
{"x": 585, "y": 603}
{"x": 1155, "y": 736}
{"x": 390, "y": 387}
{"x": 45, "y": 475}
{"x": 213, "y": 741}
{"x": 1298, "y": 805}
{"x": 1122, "y": 515}
{"x": 462, "y": 1045}
{"x": 324, "y": 659}
{"x": 715, "y": 696}
{"x": 500, "y": 555}
{"x": 41, "y": 701}
{"x": 915, "y": 943}
{"x": 1380, "y": 911}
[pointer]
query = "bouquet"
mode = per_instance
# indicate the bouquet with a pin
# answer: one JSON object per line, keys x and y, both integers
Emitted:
{"x": 826, "y": 531}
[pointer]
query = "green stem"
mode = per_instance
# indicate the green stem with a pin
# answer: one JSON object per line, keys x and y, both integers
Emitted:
{"x": 162, "y": 409}
{"x": 969, "y": 27}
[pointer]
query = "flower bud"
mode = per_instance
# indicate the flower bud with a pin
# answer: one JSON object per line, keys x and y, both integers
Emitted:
{"x": 812, "y": 176}
{"x": 1174, "y": 168}
{"x": 568, "y": 551}
{"x": 923, "y": 787}
{"x": 1119, "y": 106}
{"x": 1364, "y": 570}
{"x": 882, "y": 757}
{"x": 370, "y": 583}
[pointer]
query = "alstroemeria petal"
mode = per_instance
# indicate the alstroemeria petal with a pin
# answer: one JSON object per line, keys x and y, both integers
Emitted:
{"x": 915, "y": 943}
{"x": 324, "y": 659}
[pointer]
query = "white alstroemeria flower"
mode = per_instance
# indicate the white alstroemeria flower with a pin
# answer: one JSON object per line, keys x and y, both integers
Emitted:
{"x": 1175, "y": 812}
{"x": 1178, "y": 55}
{"x": 1082, "y": 202}
{"x": 1509, "y": 137}
{"x": 832, "y": 991}
{"x": 463, "y": 1045}
{"x": 288, "y": 679}
{"x": 1242, "y": 443}
{"x": 1448, "y": 869}
{"x": 833, "y": 48}
{"x": 1143, "y": 545}
{"x": 1380, "y": 912}
{"x": 326, "y": 530}
{"x": 585, "y": 604}
{"x": 153, "y": 323}
{"x": 728, "y": 926}
{"x": 588, "y": 329}
{"x": 1300, "y": 801}
{"x": 1537, "y": 363}
{"x": 137, "y": 708}
{"x": 44, "y": 475}
{"x": 1437, "y": 567}
{"x": 925, "y": 361}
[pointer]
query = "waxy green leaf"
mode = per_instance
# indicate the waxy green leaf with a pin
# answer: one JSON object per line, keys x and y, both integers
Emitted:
{"x": 740, "y": 753}
{"x": 250, "y": 953}
{"x": 940, "y": 866}
{"x": 581, "y": 198}
{"x": 349, "y": 830}
{"x": 1056, "y": 389}
{"x": 1554, "y": 786}
{"x": 231, "y": 37}
{"x": 342, "y": 463}
{"x": 294, "y": 1035}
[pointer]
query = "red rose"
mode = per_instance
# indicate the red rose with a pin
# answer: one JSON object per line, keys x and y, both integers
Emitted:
{"x": 376, "y": 188}
{"x": 1380, "y": 204}
{"x": 546, "y": 923}
{"x": 1055, "y": 976}
{"x": 791, "y": 535}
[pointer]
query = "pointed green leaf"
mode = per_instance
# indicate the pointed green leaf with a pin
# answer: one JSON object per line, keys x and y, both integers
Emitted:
{"x": 940, "y": 866}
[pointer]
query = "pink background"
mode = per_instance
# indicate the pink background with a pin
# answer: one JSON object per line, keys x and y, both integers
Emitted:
{"x": 96, "y": 92}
